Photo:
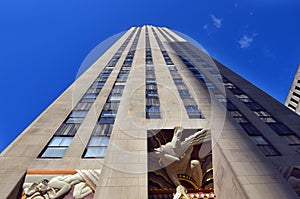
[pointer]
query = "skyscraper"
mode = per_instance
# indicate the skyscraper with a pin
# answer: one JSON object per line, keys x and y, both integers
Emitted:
{"x": 154, "y": 114}
{"x": 293, "y": 97}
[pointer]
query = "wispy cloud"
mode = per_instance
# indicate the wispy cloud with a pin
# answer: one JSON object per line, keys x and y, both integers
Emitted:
{"x": 217, "y": 21}
{"x": 205, "y": 27}
{"x": 246, "y": 41}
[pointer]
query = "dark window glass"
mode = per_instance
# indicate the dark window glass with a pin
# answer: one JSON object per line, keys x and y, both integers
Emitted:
{"x": 250, "y": 129}
{"x": 281, "y": 129}
{"x": 269, "y": 150}
{"x": 107, "y": 120}
{"x": 254, "y": 106}
{"x": 291, "y": 139}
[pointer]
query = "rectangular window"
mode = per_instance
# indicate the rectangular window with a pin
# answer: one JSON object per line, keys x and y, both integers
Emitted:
{"x": 269, "y": 150}
{"x": 94, "y": 90}
{"x": 259, "y": 140}
{"x": 78, "y": 114}
{"x": 83, "y": 106}
{"x": 114, "y": 97}
{"x": 90, "y": 96}
{"x": 295, "y": 101}
{"x": 107, "y": 120}
{"x": 296, "y": 94}
{"x": 111, "y": 106}
{"x": 291, "y": 139}
{"x": 57, "y": 147}
{"x": 254, "y": 106}
{"x": 103, "y": 130}
{"x": 250, "y": 129}
{"x": 95, "y": 152}
{"x": 87, "y": 100}
{"x": 108, "y": 113}
{"x": 293, "y": 107}
{"x": 152, "y": 112}
{"x": 193, "y": 112}
{"x": 67, "y": 129}
{"x": 231, "y": 107}
{"x": 281, "y": 129}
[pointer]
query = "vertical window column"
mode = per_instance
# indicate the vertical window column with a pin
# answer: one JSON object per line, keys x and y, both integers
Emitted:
{"x": 152, "y": 98}
{"x": 188, "y": 101}
{"x": 290, "y": 137}
{"x": 99, "y": 140}
{"x": 256, "y": 136}
{"x": 64, "y": 135}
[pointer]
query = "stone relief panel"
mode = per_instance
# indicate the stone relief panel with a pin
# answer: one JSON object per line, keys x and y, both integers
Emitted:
{"x": 68, "y": 184}
{"x": 179, "y": 163}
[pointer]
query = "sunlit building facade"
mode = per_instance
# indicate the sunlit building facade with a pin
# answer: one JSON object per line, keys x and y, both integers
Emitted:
{"x": 104, "y": 136}
{"x": 293, "y": 97}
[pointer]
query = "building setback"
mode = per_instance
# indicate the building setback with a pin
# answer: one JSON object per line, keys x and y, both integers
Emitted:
{"x": 109, "y": 135}
{"x": 293, "y": 97}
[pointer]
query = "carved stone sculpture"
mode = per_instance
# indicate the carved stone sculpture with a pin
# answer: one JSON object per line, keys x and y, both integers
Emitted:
{"x": 175, "y": 158}
{"x": 83, "y": 182}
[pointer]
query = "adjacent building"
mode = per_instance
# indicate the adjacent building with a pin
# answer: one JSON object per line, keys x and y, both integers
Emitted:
{"x": 109, "y": 135}
{"x": 293, "y": 97}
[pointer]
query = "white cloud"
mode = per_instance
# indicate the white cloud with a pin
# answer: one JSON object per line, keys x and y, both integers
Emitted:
{"x": 217, "y": 21}
{"x": 246, "y": 41}
{"x": 205, "y": 27}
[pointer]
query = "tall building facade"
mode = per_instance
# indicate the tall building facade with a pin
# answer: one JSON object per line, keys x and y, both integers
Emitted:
{"x": 293, "y": 97}
{"x": 156, "y": 117}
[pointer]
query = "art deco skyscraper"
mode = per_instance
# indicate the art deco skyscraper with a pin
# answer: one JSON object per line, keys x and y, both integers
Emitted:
{"x": 152, "y": 114}
{"x": 293, "y": 97}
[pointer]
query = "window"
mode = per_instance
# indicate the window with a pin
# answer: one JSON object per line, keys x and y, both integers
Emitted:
{"x": 236, "y": 91}
{"x": 259, "y": 140}
{"x": 296, "y": 148}
{"x": 296, "y": 94}
{"x": 88, "y": 100}
{"x": 269, "y": 150}
{"x": 189, "y": 102}
{"x": 114, "y": 97}
{"x": 76, "y": 117}
{"x": 250, "y": 129}
{"x": 98, "y": 85}
{"x": 293, "y": 107}
{"x": 78, "y": 114}
{"x": 75, "y": 120}
{"x": 291, "y": 139}
{"x": 103, "y": 130}
{"x": 241, "y": 119}
{"x": 295, "y": 101}
{"x": 281, "y": 129}
{"x": 152, "y": 112}
{"x": 105, "y": 75}
{"x": 94, "y": 90}
{"x": 184, "y": 94}
{"x": 67, "y": 129}
{"x": 244, "y": 98}
{"x": 107, "y": 120}
{"x": 231, "y": 107}
{"x": 254, "y": 106}
{"x": 193, "y": 112}
{"x": 151, "y": 87}
{"x": 57, "y": 147}
{"x": 111, "y": 106}
{"x": 83, "y": 106}
{"x": 209, "y": 85}
{"x": 97, "y": 147}
{"x": 236, "y": 114}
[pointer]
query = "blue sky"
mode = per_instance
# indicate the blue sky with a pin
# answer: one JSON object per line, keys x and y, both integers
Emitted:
{"x": 43, "y": 43}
